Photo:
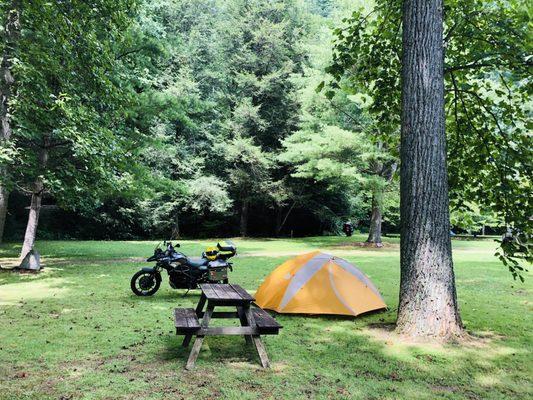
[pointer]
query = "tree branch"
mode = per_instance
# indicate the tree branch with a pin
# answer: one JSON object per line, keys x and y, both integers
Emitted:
{"x": 472, "y": 65}
{"x": 131, "y": 51}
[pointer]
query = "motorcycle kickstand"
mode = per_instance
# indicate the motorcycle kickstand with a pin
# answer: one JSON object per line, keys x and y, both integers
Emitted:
{"x": 185, "y": 294}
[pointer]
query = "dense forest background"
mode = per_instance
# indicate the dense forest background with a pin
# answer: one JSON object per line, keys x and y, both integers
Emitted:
{"x": 196, "y": 118}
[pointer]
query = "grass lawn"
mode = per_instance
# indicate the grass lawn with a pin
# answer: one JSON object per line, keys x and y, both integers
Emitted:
{"x": 76, "y": 331}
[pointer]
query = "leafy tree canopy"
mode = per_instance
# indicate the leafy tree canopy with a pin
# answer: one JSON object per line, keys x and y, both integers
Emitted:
{"x": 487, "y": 84}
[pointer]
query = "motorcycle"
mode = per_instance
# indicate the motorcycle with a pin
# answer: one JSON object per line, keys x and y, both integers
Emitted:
{"x": 348, "y": 228}
{"x": 184, "y": 272}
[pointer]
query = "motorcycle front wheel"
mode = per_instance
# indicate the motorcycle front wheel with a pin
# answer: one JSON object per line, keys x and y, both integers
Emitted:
{"x": 145, "y": 283}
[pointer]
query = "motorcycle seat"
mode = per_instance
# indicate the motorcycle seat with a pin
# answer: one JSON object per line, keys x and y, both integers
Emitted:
{"x": 197, "y": 261}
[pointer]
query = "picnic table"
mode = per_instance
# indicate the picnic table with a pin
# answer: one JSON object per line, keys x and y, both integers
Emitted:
{"x": 254, "y": 320}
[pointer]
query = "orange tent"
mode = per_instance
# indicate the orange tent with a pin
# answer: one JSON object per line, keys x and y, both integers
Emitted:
{"x": 318, "y": 283}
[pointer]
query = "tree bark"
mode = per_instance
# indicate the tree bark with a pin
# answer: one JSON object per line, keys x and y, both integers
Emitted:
{"x": 10, "y": 37}
{"x": 35, "y": 205}
{"x": 244, "y": 218}
{"x": 4, "y": 199}
{"x": 428, "y": 300}
{"x": 281, "y": 222}
{"x": 175, "y": 234}
{"x": 386, "y": 171}
{"x": 277, "y": 223}
{"x": 374, "y": 233}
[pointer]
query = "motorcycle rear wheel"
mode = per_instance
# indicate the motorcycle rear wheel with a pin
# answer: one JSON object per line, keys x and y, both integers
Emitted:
{"x": 145, "y": 283}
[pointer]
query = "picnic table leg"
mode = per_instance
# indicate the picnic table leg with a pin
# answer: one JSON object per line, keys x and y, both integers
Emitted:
{"x": 200, "y": 305}
{"x": 260, "y": 347}
{"x": 244, "y": 322}
{"x": 199, "y": 309}
{"x": 256, "y": 340}
{"x": 199, "y": 338}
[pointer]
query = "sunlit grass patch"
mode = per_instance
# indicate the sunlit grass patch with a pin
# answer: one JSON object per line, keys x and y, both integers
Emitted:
{"x": 16, "y": 293}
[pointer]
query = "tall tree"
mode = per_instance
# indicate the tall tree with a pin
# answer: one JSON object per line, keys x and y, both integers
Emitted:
{"x": 428, "y": 299}
{"x": 249, "y": 173}
{"x": 487, "y": 89}
{"x": 319, "y": 117}
{"x": 69, "y": 104}
{"x": 10, "y": 35}
{"x": 383, "y": 174}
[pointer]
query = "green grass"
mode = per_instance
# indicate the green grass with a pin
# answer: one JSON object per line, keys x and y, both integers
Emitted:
{"x": 76, "y": 331}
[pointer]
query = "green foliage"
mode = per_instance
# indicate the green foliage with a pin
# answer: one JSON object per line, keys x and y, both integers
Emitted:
{"x": 163, "y": 111}
{"x": 208, "y": 193}
{"x": 473, "y": 219}
{"x": 220, "y": 99}
{"x": 330, "y": 154}
{"x": 67, "y": 102}
{"x": 249, "y": 168}
{"x": 487, "y": 83}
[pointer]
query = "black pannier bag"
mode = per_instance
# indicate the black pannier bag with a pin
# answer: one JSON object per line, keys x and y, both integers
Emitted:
{"x": 218, "y": 270}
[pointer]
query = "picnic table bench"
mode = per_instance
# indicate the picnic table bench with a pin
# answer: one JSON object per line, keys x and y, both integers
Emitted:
{"x": 195, "y": 322}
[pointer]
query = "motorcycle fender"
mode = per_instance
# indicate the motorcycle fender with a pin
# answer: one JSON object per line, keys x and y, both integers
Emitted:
{"x": 148, "y": 269}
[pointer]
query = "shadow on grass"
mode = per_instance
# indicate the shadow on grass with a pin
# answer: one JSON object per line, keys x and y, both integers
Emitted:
{"x": 319, "y": 362}
{"x": 100, "y": 339}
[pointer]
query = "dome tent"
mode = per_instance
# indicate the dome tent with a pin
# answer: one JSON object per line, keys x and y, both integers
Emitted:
{"x": 318, "y": 283}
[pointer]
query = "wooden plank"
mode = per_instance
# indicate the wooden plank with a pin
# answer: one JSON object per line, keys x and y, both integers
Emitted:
{"x": 208, "y": 291}
{"x": 186, "y": 340}
{"x": 261, "y": 351}
{"x": 199, "y": 313}
{"x": 243, "y": 293}
{"x": 194, "y": 353}
{"x": 192, "y": 319}
{"x": 228, "y": 330}
{"x": 230, "y": 302}
{"x": 185, "y": 318}
{"x": 256, "y": 339}
{"x": 223, "y": 294}
{"x": 226, "y": 293}
{"x": 201, "y": 304}
{"x": 186, "y": 322}
{"x": 186, "y": 332}
{"x": 244, "y": 322}
{"x": 264, "y": 319}
{"x": 200, "y": 338}
{"x": 249, "y": 316}
{"x": 222, "y": 314}
{"x": 207, "y": 315}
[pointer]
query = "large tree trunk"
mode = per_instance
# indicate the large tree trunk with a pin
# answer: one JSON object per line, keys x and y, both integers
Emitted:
{"x": 374, "y": 233}
{"x": 35, "y": 205}
{"x": 244, "y": 218}
{"x": 385, "y": 171}
{"x": 4, "y": 198}
{"x": 33, "y": 220}
{"x": 175, "y": 234}
{"x": 428, "y": 300}
{"x": 10, "y": 36}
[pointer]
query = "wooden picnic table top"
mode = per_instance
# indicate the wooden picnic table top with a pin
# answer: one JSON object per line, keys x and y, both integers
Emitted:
{"x": 221, "y": 292}
{"x": 254, "y": 321}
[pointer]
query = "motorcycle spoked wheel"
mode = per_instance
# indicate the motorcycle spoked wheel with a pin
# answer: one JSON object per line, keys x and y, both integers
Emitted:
{"x": 145, "y": 283}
